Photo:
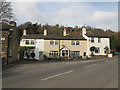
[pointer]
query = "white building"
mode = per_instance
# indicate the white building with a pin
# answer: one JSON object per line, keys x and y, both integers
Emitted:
{"x": 99, "y": 41}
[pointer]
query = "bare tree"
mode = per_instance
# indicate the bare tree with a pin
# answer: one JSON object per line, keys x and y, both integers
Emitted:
{"x": 5, "y": 11}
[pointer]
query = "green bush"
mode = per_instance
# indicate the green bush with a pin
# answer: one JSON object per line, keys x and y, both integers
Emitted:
{"x": 92, "y": 54}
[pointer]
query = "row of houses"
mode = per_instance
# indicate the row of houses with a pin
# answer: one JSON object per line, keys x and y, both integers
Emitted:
{"x": 64, "y": 46}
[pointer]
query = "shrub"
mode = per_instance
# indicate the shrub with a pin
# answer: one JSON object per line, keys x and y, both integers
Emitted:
{"x": 92, "y": 54}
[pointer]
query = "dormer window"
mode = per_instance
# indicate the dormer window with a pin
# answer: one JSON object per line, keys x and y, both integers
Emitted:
{"x": 92, "y": 40}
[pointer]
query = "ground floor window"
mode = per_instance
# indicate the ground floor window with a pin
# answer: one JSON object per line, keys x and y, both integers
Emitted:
{"x": 97, "y": 50}
{"x": 84, "y": 54}
{"x": 29, "y": 54}
{"x": 53, "y": 53}
{"x": 75, "y": 53}
{"x": 65, "y": 53}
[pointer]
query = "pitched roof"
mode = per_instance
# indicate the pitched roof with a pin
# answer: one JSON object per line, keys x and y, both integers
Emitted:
{"x": 100, "y": 34}
{"x": 54, "y": 37}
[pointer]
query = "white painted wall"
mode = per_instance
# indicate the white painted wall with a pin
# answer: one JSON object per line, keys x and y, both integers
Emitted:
{"x": 38, "y": 43}
{"x": 22, "y": 42}
{"x": 104, "y": 42}
{"x": 39, "y": 47}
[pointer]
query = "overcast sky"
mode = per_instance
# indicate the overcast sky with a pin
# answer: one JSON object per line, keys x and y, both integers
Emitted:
{"x": 96, "y": 14}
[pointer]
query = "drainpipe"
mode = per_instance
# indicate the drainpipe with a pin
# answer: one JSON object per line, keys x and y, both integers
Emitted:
{"x": 8, "y": 47}
{"x": 59, "y": 48}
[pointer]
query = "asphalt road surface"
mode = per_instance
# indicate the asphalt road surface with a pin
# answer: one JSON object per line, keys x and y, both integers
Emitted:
{"x": 101, "y": 73}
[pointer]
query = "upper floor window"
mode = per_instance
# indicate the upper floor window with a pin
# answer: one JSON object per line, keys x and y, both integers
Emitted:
{"x": 56, "y": 42}
{"x": 27, "y": 42}
{"x": 32, "y": 42}
{"x": 99, "y": 40}
{"x": 75, "y": 43}
{"x": 53, "y": 42}
{"x": 92, "y": 40}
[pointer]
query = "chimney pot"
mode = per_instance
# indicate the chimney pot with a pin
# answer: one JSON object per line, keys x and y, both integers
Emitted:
{"x": 24, "y": 32}
{"x": 45, "y": 32}
{"x": 64, "y": 32}
{"x": 83, "y": 30}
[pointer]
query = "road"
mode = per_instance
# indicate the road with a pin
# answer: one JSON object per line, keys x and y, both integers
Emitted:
{"x": 80, "y": 74}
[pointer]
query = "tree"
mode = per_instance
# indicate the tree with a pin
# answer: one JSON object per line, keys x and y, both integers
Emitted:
{"x": 113, "y": 42}
{"x": 5, "y": 11}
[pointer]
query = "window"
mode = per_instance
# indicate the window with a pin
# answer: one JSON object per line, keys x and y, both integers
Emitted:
{"x": 99, "y": 40}
{"x": 51, "y": 42}
{"x": 97, "y": 50}
{"x": 84, "y": 54}
{"x": 75, "y": 53}
{"x": 92, "y": 40}
{"x": 53, "y": 53}
{"x": 32, "y": 42}
{"x": 75, "y": 43}
{"x": 27, "y": 42}
{"x": 65, "y": 52}
{"x": 56, "y": 42}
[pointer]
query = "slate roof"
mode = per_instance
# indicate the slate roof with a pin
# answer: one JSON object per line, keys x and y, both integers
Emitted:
{"x": 96, "y": 34}
{"x": 52, "y": 37}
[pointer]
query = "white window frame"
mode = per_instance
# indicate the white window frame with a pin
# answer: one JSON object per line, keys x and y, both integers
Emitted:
{"x": 54, "y": 42}
{"x": 92, "y": 40}
{"x": 75, "y": 42}
{"x": 32, "y": 42}
{"x": 98, "y": 48}
{"x": 75, "y": 53}
{"x": 26, "y": 42}
{"x": 53, "y": 53}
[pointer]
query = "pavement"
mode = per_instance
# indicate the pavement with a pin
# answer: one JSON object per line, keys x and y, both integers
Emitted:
{"x": 101, "y": 73}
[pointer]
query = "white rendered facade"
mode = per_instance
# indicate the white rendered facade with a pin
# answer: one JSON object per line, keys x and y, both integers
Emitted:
{"x": 99, "y": 42}
{"x": 37, "y": 43}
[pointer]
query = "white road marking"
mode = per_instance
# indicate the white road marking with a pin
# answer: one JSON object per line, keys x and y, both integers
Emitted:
{"x": 90, "y": 66}
{"x": 56, "y": 75}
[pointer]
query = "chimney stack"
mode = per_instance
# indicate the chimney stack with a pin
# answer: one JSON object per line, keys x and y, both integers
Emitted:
{"x": 24, "y": 32}
{"x": 64, "y": 32}
{"x": 83, "y": 30}
{"x": 45, "y": 32}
